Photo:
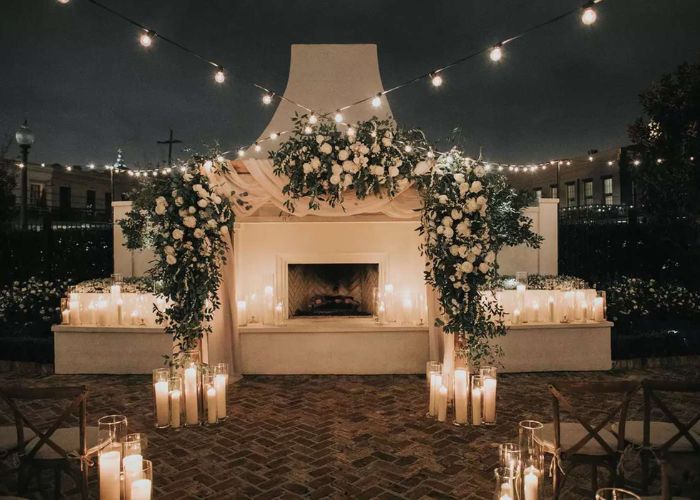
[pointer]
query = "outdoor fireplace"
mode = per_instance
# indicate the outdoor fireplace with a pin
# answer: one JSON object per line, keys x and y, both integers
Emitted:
{"x": 332, "y": 289}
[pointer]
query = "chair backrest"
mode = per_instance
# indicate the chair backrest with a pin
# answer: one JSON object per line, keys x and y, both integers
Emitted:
{"x": 624, "y": 389}
{"x": 653, "y": 399}
{"x": 76, "y": 402}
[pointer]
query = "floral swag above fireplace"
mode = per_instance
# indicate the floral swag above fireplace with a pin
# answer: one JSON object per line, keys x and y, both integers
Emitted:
{"x": 468, "y": 214}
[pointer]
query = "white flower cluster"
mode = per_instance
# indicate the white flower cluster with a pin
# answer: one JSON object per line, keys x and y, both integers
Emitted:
{"x": 34, "y": 300}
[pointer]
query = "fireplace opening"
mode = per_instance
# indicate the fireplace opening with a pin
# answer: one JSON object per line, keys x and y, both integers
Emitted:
{"x": 332, "y": 289}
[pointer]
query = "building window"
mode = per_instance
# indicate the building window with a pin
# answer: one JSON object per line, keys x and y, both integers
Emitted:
{"x": 90, "y": 200}
{"x": 570, "y": 194}
{"x": 64, "y": 198}
{"x": 554, "y": 191}
{"x": 588, "y": 192}
{"x": 608, "y": 190}
{"x": 108, "y": 202}
{"x": 36, "y": 195}
{"x": 538, "y": 193}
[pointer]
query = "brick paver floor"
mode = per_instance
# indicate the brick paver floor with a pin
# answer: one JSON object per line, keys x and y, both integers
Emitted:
{"x": 329, "y": 437}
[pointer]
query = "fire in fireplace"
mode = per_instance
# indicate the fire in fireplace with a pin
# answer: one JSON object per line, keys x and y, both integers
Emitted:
{"x": 332, "y": 289}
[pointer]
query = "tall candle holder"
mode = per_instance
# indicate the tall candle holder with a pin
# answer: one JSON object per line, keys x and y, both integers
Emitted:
{"x": 141, "y": 488}
{"x": 161, "y": 410}
{"x": 489, "y": 381}
{"x": 111, "y": 431}
{"x": 532, "y": 459}
{"x": 132, "y": 461}
{"x": 211, "y": 412}
{"x": 175, "y": 398}
{"x": 615, "y": 494}
{"x": 510, "y": 456}
{"x": 192, "y": 384}
{"x": 461, "y": 381}
{"x": 506, "y": 484}
{"x": 221, "y": 385}
{"x": 435, "y": 384}
{"x": 477, "y": 399}
{"x": 65, "y": 311}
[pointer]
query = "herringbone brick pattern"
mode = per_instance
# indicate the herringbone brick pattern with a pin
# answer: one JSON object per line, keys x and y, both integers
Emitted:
{"x": 325, "y": 437}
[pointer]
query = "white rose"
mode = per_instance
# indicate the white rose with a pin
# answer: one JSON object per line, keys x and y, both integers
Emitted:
{"x": 349, "y": 166}
{"x": 456, "y": 214}
{"x": 198, "y": 233}
{"x": 479, "y": 171}
{"x": 336, "y": 169}
{"x": 471, "y": 205}
{"x": 348, "y": 179}
{"x": 177, "y": 234}
{"x": 467, "y": 267}
{"x": 376, "y": 148}
{"x": 440, "y": 229}
{"x": 170, "y": 259}
{"x": 364, "y": 149}
{"x": 484, "y": 267}
{"x": 463, "y": 189}
{"x": 160, "y": 209}
{"x": 203, "y": 203}
{"x": 161, "y": 200}
{"x": 192, "y": 210}
{"x": 326, "y": 148}
{"x": 307, "y": 168}
{"x": 224, "y": 230}
{"x": 196, "y": 187}
{"x": 378, "y": 170}
{"x": 459, "y": 178}
{"x": 476, "y": 187}
{"x": 454, "y": 250}
{"x": 315, "y": 163}
{"x": 421, "y": 168}
{"x": 490, "y": 257}
{"x": 187, "y": 177}
{"x": 386, "y": 142}
{"x": 335, "y": 179}
{"x": 189, "y": 221}
{"x": 169, "y": 250}
{"x": 343, "y": 155}
{"x": 212, "y": 223}
{"x": 448, "y": 232}
{"x": 463, "y": 229}
{"x": 442, "y": 199}
{"x": 320, "y": 139}
{"x": 216, "y": 199}
{"x": 447, "y": 221}
{"x": 476, "y": 250}
{"x": 481, "y": 201}
{"x": 393, "y": 171}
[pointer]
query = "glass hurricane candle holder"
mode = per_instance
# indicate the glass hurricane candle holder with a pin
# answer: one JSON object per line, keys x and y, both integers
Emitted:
{"x": 175, "y": 398}
{"x": 221, "y": 385}
{"x": 109, "y": 467}
{"x": 489, "y": 382}
{"x": 65, "y": 311}
{"x": 435, "y": 377}
{"x": 532, "y": 457}
{"x": 192, "y": 387}
{"x": 509, "y": 455}
{"x": 615, "y": 494}
{"x": 430, "y": 367}
{"x": 521, "y": 278}
{"x": 599, "y": 312}
{"x": 211, "y": 412}
{"x": 161, "y": 413}
{"x": 461, "y": 395}
{"x": 141, "y": 487}
{"x": 507, "y": 480}
{"x": 134, "y": 444}
{"x": 477, "y": 399}
{"x": 111, "y": 430}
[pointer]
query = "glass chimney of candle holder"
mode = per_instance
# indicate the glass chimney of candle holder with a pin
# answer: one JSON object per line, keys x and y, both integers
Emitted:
{"x": 532, "y": 459}
{"x": 477, "y": 399}
{"x": 192, "y": 387}
{"x": 141, "y": 487}
{"x": 65, "y": 311}
{"x": 507, "y": 481}
{"x": 434, "y": 384}
{"x": 509, "y": 456}
{"x": 221, "y": 386}
{"x": 211, "y": 412}
{"x": 489, "y": 384}
{"x": 111, "y": 430}
{"x": 430, "y": 367}
{"x": 175, "y": 399}
{"x": 161, "y": 410}
{"x": 615, "y": 494}
{"x": 521, "y": 278}
{"x": 134, "y": 444}
{"x": 117, "y": 279}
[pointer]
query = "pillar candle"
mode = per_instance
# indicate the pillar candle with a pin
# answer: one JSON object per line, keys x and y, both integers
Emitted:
{"x": 569, "y": 301}
{"x": 435, "y": 384}
{"x": 268, "y": 304}
{"x": 90, "y": 320}
{"x": 535, "y": 312}
{"x": 102, "y": 313}
{"x": 220, "y": 386}
{"x": 516, "y": 317}
{"x": 120, "y": 311}
{"x": 110, "y": 484}
{"x": 162, "y": 410}
{"x": 175, "y": 409}
{"x": 135, "y": 317}
{"x": 74, "y": 309}
{"x": 65, "y": 317}
{"x": 461, "y": 397}
{"x": 550, "y": 304}
{"x": 598, "y": 314}
{"x": 242, "y": 312}
{"x": 442, "y": 404}
{"x": 141, "y": 489}
{"x": 212, "y": 409}
{"x": 381, "y": 312}
{"x": 520, "y": 296}
{"x": 531, "y": 484}
{"x": 279, "y": 313}
{"x": 489, "y": 399}
{"x": 584, "y": 312}
{"x": 476, "y": 406}
{"x": 191, "y": 410}
{"x": 133, "y": 471}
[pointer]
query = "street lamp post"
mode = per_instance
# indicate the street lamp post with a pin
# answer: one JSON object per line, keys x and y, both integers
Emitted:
{"x": 25, "y": 138}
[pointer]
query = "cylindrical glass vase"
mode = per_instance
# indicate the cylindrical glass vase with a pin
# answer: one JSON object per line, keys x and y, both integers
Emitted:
{"x": 192, "y": 387}
{"x": 111, "y": 430}
{"x": 211, "y": 412}
{"x": 141, "y": 487}
{"x": 532, "y": 457}
{"x": 435, "y": 382}
{"x": 615, "y": 494}
{"x": 489, "y": 382}
{"x": 221, "y": 385}
{"x": 161, "y": 410}
{"x": 477, "y": 400}
{"x": 176, "y": 399}
{"x": 507, "y": 481}
{"x": 134, "y": 444}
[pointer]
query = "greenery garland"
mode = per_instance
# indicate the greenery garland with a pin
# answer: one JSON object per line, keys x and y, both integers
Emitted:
{"x": 187, "y": 220}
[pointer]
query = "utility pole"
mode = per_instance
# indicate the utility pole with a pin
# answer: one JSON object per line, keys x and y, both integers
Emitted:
{"x": 170, "y": 143}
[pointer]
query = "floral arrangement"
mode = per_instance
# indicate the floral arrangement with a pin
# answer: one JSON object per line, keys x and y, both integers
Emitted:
{"x": 460, "y": 249}
{"x": 542, "y": 282}
{"x": 634, "y": 298}
{"x": 187, "y": 220}
{"x": 31, "y": 301}
{"x": 143, "y": 284}
{"x": 372, "y": 157}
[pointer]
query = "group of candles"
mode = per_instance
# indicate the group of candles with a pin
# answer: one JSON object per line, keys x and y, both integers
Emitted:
{"x": 191, "y": 395}
{"x": 553, "y": 306}
{"x": 460, "y": 390}
{"x": 521, "y": 465}
{"x": 123, "y": 472}
{"x": 402, "y": 307}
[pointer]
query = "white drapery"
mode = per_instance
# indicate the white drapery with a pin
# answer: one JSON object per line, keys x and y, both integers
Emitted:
{"x": 263, "y": 187}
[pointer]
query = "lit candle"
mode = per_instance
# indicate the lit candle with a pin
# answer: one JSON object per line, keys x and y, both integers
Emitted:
{"x": 191, "y": 410}
{"x": 535, "y": 312}
{"x": 141, "y": 489}
{"x": 162, "y": 410}
{"x": 584, "y": 312}
{"x": 381, "y": 312}
{"x": 531, "y": 484}
{"x": 569, "y": 300}
{"x": 101, "y": 308}
{"x": 476, "y": 406}
{"x": 242, "y": 313}
{"x": 133, "y": 471}
{"x": 435, "y": 384}
{"x": 135, "y": 317}
{"x": 90, "y": 320}
{"x": 74, "y": 309}
{"x": 220, "y": 386}
{"x": 389, "y": 312}
{"x": 520, "y": 296}
{"x": 516, "y": 317}
{"x": 120, "y": 311}
{"x": 489, "y": 399}
{"x": 65, "y": 317}
{"x": 580, "y": 299}
{"x": 461, "y": 397}
{"x": 550, "y": 304}
{"x": 268, "y": 317}
{"x": 175, "y": 408}
{"x": 598, "y": 307}
{"x": 279, "y": 311}
{"x": 212, "y": 409}
{"x": 115, "y": 293}
{"x": 442, "y": 404}
{"x": 110, "y": 484}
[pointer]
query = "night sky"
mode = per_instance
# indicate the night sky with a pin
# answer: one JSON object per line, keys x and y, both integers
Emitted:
{"x": 87, "y": 86}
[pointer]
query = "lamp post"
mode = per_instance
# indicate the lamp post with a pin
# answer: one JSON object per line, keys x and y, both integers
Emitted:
{"x": 25, "y": 138}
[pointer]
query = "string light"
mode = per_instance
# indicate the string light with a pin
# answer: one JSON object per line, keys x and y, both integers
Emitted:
{"x": 590, "y": 157}
{"x": 20, "y": 165}
{"x": 338, "y": 117}
{"x": 436, "y": 80}
{"x": 496, "y": 53}
{"x": 637, "y": 163}
{"x": 274, "y": 135}
{"x": 219, "y": 76}
{"x": 257, "y": 147}
{"x": 146, "y": 39}
{"x": 267, "y": 99}
{"x": 610, "y": 163}
{"x": 408, "y": 148}
{"x": 376, "y": 101}
{"x": 241, "y": 153}
{"x": 589, "y": 15}
{"x": 659, "y": 161}
{"x": 64, "y": 2}
{"x": 69, "y": 168}
{"x": 91, "y": 166}
{"x": 155, "y": 173}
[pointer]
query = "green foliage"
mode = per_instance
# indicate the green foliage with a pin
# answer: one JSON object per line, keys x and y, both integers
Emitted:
{"x": 7, "y": 185}
{"x": 31, "y": 303}
{"x": 542, "y": 282}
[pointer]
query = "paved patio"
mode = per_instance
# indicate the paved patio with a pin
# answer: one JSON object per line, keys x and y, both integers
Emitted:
{"x": 328, "y": 437}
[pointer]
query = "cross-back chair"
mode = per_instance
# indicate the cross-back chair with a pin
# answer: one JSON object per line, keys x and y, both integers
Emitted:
{"x": 56, "y": 447}
{"x": 580, "y": 441}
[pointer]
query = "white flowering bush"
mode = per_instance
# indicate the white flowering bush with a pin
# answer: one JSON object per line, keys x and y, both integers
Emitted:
{"x": 187, "y": 221}
{"x": 630, "y": 299}
{"x": 542, "y": 282}
{"x": 460, "y": 248}
{"x": 322, "y": 163}
{"x": 34, "y": 302}
{"x": 141, "y": 284}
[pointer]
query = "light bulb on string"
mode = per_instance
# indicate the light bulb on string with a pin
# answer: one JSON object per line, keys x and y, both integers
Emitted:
{"x": 64, "y": 2}
{"x": 589, "y": 16}
{"x": 146, "y": 39}
{"x": 496, "y": 53}
{"x": 436, "y": 80}
{"x": 241, "y": 153}
{"x": 408, "y": 148}
{"x": 257, "y": 147}
{"x": 376, "y": 101}
{"x": 219, "y": 76}
{"x": 274, "y": 135}
{"x": 91, "y": 166}
{"x": 338, "y": 117}
{"x": 267, "y": 99}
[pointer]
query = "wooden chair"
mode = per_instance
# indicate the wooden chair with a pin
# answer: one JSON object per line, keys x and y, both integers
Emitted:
{"x": 56, "y": 448}
{"x": 581, "y": 442}
{"x": 661, "y": 439}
